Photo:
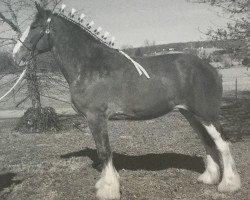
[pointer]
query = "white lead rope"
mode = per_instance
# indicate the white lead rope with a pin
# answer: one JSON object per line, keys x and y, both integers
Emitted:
{"x": 139, "y": 68}
{"x": 18, "y": 80}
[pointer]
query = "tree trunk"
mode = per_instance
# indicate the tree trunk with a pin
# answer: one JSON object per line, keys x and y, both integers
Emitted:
{"x": 33, "y": 85}
{"x": 248, "y": 36}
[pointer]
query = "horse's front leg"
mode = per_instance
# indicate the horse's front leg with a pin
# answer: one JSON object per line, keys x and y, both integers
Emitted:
{"x": 108, "y": 186}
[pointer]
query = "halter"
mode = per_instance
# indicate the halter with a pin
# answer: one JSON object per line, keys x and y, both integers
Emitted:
{"x": 46, "y": 32}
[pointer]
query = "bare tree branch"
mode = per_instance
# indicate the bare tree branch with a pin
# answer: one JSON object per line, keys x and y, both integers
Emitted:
{"x": 13, "y": 26}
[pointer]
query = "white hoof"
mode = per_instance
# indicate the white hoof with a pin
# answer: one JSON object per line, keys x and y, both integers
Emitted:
{"x": 230, "y": 184}
{"x": 209, "y": 177}
{"x": 108, "y": 187}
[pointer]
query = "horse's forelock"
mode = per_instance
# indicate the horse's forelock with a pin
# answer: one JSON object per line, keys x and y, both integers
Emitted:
{"x": 43, "y": 16}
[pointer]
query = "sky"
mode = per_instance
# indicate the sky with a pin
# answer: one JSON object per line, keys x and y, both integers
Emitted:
{"x": 132, "y": 22}
{"x": 162, "y": 21}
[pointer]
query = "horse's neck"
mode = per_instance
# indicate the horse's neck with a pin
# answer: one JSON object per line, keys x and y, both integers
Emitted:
{"x": 72, "y": 48}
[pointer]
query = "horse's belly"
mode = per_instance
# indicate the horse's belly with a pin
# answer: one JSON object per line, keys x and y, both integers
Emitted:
{"x": 146, "y": 100}
{"x": 143, "y": 109}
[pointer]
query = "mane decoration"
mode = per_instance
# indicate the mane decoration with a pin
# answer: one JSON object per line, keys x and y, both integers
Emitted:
{"x": 87, "y": 26}
{"x": 103, "y": 38}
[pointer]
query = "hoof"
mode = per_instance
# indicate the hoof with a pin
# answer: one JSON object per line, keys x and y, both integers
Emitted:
{"x": 230, "y": 184}
{"x": 209, "y": 178}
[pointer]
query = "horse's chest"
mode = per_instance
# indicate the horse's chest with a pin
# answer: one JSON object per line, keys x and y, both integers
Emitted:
{"x": 87, "y": 94}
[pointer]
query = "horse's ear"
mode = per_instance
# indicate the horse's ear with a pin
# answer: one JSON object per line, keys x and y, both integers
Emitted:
{"x": 39, "y": 8}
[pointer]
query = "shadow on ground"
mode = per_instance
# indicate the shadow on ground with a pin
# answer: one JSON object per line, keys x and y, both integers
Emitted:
{"x": 6, "y": 180}
{"x": 150, "y": 162}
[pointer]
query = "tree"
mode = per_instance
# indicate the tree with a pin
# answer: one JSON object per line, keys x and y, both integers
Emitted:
{"x": 148, "y": 46}
{"x": 237, "y": 12}
{"x": 238, "y": 27}
{"x": 13, "y": 13}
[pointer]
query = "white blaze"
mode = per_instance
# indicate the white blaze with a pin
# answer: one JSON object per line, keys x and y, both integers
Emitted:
{"x": 22, "y": 39}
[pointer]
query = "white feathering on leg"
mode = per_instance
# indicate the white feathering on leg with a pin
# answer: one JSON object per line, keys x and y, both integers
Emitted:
{"x": 231, "y": 179}
{"x": 108, "y": 186}
{"x": 212, "y": 173}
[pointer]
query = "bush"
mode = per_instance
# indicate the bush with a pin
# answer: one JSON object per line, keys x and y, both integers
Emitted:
{"x": 39, "y": 120}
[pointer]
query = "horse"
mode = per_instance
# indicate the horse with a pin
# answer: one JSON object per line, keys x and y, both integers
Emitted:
{"x": 104, "y": 85}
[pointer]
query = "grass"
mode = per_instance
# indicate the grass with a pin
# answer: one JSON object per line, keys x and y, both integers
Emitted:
{"x": 157, "y": 159}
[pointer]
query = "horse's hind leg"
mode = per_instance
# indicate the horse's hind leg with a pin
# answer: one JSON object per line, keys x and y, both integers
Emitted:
{"x": 230, "y": 180}
{"x": 212, "y": 172}
{"x": 108, "y": 185}
{"x": 216, "y": 148}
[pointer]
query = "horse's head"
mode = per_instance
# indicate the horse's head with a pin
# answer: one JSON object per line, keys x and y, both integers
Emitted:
{"x": 36, "y": 39}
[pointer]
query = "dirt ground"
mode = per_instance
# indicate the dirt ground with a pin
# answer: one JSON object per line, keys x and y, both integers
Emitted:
{"x": 157, "y": 159}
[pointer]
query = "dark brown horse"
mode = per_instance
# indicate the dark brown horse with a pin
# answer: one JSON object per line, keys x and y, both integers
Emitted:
{"x": 104, "y": 84}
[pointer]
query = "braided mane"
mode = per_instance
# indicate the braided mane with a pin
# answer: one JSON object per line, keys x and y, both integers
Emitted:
{"x": 87, "y": 29}
{"x": 68, "y": 17}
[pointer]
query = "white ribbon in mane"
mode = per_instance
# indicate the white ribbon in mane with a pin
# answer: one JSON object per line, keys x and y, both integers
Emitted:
{"x": 139, "y": 68}
{"x": 18, "y": 80}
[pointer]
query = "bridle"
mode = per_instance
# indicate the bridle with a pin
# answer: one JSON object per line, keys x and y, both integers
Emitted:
{"x": 46, "y": 31}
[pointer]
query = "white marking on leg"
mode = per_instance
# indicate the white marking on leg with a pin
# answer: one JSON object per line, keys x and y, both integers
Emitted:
{"x": 212, "y": 172}
{"x": 108, "y": 186}
{"x": 22, "y": 39}
{"x": 230, "y": 180}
